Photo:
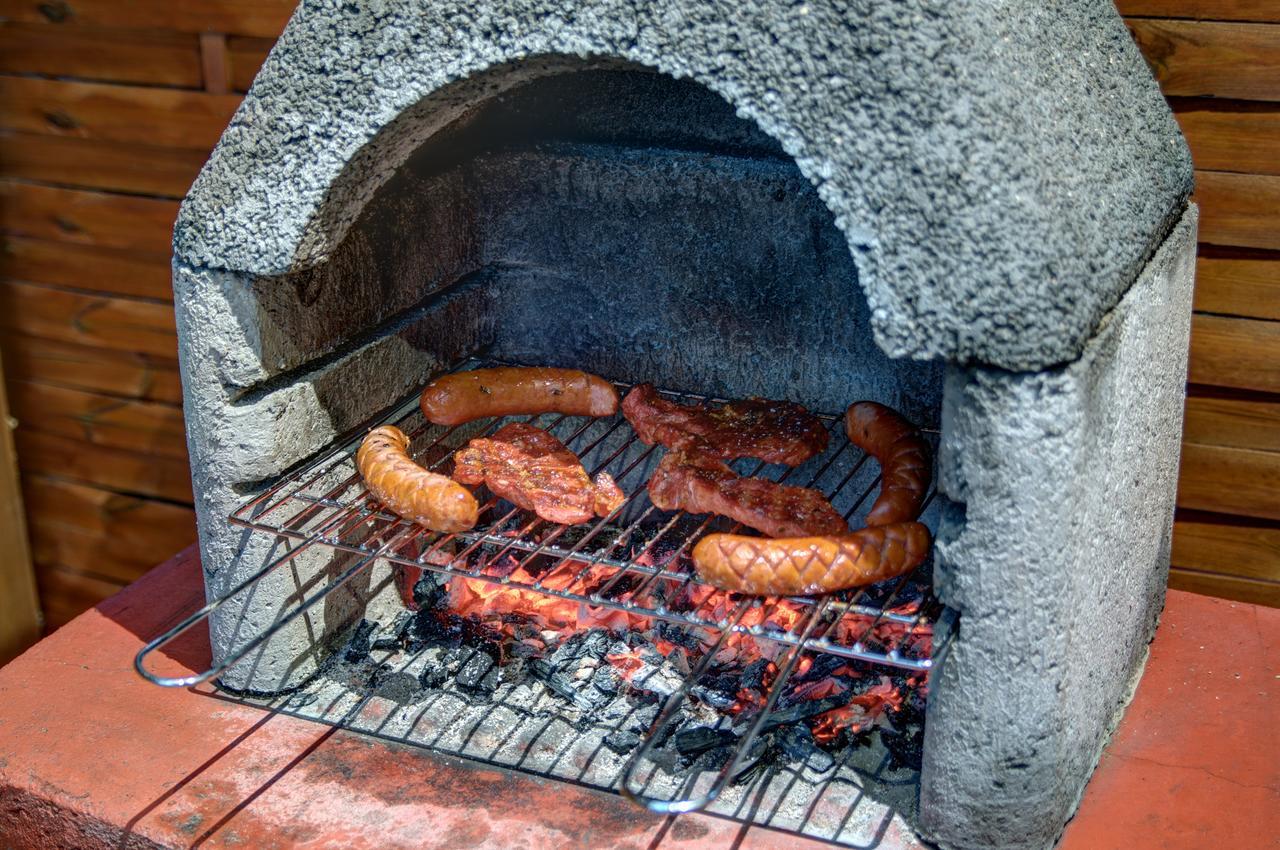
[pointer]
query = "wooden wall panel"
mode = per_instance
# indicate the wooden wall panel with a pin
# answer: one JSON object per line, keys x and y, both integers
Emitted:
{"x": 110, "y": 270}
{"x": 1238, "y": 282}
{"x": 1220, "y": 10}
{"x": 108, "y": 110}
{"x": 151, "y": 57}
{"x": 142, "y": 115}
{"x": 126, "y": 374}
{"x": 244, "y": 17}
{"x": 94, "y": 164}
{"x": 1211, "y": 58}
{"x": 89, "y": 218}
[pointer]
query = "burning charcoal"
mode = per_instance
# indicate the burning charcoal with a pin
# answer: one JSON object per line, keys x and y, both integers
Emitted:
{"x": 433, "y": 677}
{"x": 803, "y": 711}
{"x": 473, "y": 675}
{"x": 606, "y": 679}
{"x": 690, "y": 742}
{"x": 429, "y": 591}
{"x": 397, "y": 636}
{"x": 906, "y": 749}
{"x": 759, "y": 757}
{"x": 718, "y": 699}
{"x": 512, "y": 671}
{"x": 622, "y": 742}
{"x": 564, "y": 686}
{"x": 753, "y": 675}
{"x": 797, "y": 744}
{"x": 435, "y": 628}
{"x": 358, "y": 645}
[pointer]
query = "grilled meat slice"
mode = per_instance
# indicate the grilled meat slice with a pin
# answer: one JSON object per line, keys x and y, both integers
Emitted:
{"x": 773, "y": 431}
{"x": 533, "y": 470}
{"x": 696, "y": 482}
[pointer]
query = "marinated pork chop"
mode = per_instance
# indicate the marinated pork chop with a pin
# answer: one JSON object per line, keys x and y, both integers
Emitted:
{"x": 773, "y": 431}
{"x": 533, "y": 470}
{"x": 695, "y": 482}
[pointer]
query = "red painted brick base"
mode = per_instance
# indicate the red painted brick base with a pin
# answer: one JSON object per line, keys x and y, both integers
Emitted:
{"x": 91, "y": 756}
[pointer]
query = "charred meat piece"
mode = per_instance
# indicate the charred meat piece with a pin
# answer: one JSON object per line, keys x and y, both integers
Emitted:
{"x": 696, "y": 482}
{"x": 535, "y": 471}
{"x": 773, "y": 431}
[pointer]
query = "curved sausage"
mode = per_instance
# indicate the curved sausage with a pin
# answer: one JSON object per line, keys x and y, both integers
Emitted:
{"x": 435, "y": 501}
{"x": 511, "y": 390}
{"x": 799, "y": 566}
{"x": 903, "y": 454}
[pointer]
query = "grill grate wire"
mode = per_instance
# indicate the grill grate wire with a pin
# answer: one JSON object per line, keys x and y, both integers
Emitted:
{"x": 634, "y": 560}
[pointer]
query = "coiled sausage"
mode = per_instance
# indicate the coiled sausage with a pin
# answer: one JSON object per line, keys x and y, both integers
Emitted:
{"x": 435, "y": 501}
{"x": 903, "y": 454}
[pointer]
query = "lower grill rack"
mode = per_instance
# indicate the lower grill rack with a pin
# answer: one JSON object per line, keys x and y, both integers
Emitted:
{"x": 635, "y": 561}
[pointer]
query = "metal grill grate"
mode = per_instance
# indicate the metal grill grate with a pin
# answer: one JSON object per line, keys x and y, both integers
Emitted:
{"x": 635, "y": 560}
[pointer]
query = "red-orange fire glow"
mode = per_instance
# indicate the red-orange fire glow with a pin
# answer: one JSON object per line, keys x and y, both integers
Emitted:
{"x": 861, "y": 712}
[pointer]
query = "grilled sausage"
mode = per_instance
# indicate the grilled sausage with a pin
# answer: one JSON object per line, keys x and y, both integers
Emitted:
{"x": 435, "y": 501}
{"x": 798, "y": 566}
{"x": 512, "y": 390}
{"x": 903, "y": 455}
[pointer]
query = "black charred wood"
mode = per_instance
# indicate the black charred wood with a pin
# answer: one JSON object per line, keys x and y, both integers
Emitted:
{"x": 621, "y": 741}
{"x": 699, "y": 739}
{"x": 359, "y": 644}
{"x": 562, "y": 685}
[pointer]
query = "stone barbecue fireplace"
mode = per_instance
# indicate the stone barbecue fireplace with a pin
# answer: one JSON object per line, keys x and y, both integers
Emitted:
{"x": 974, "y": 213}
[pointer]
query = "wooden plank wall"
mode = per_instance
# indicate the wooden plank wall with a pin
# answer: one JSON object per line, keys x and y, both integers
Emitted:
{"x": 108, "y": 110}
{"x": 1218, "y": 62}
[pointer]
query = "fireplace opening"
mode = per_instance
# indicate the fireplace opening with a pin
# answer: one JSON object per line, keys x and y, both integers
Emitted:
{"x": 613, "y": 219}
{"x": 1000, "y": 203}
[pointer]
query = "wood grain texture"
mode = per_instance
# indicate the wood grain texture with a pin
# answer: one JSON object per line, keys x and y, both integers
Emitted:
{"x": 110, "y": 534}
{"x": 1238, "y": 282}
{"x": 121, "y": 324}
{"x": 1230, "y": 352}
{"x": 1241, "y": 210}
{"x": 87, "y": 218}
{"x": 1237, "y": 546}
{"x": 20, "y": 621}
{"x": 1244, "y": 482}
{"x": 244, "y": 17}
{"x": 1226, "y": 587}
{"x": 123, "y": 374}
{"x": 110, "y": 469}
{"x": 1214, "y": 10}
{"x": 1231, "y": 135}
{"x": 111, "y": 270}
{"x": 1211, "y": 59}
{"x": 100, "y": 420}
{"x": 152, "y": 57}
{"x": 94, "y": 164}
{"x": 143, "y": 115}
{"x": 67, "y": 593}
{"x": 245, "y": 56}
{"x": 1243, "y": 423}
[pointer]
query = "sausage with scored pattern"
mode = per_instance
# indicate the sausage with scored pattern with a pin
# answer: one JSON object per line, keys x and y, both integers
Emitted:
{"x": 800, "y": 566}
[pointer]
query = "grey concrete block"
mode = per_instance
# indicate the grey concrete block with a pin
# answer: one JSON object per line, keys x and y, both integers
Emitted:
{"x": 1000, "y": 171}
{"x": 1055, "y": 554}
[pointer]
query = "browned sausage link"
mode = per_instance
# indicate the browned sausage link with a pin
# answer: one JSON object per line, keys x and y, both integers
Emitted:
{"x": 435, "y": 501}
{"x": 799, "y": 566}
{"x": 905, "y": 468}
{"x": 512, "y": 390}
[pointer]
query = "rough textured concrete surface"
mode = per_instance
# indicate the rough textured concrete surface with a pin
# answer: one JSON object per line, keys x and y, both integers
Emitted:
{"x": 1000, "y": 170}
{"x": 1055, "y": 555}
